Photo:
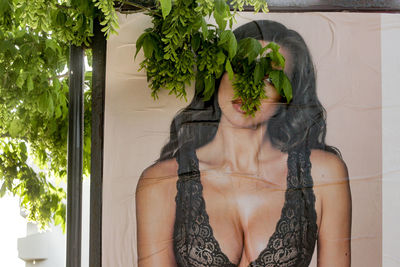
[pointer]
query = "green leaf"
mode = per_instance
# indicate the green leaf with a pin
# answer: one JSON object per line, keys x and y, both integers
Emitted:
{"x": 3, "y": 190}
{"x": 228, "y": 68}
{"x": 166, "y": 6}
{"x": 21, "y": 79}
{"x": 139, "y": 43}
{"x": 249, "y": 48}
{"x": 57, "y": 84}
{"x": 228, "y": 42}
{"x": 199, "y": 84}
{"x": 220, "y": 13}
{"x": 287, "y": 88}
{"x": 220, "y": 19}
{"x": 58, "y": 220}
{"x": 29, "y": 83}
{"x": 23, "y": 151}
{"x": 51, "y": 44}
{"x": 273, "y": 46}
{"x": 258, "y": 73}
{"x": 148, "y": 47}
{"x": 253, "y": 49}
{"x": 5, "y": 6}
{"x": 265, "y": 64}
{"x": 50, "y": 106}
{"x": 280, "y": 60}
{"x": 6, "y": 45}
{"x": 42, "y": 103}
{"x": 196, "y": 40}
{"x": 220, "y": 6}
{"x": 221, "y": 58}
{"x": 275, "y": 55}
{"x": 209, "y": 88}
{"x": 204, "y": 28}
{"x": 275, "y": 76}
{"x": 61, "y": 18}
{"x": 15, "y": 128}
{"x": 58, "y": 112}
{"x": 232, "y": 46}
{"x": 22, "y": 148}
{"x": 224, "y": 37}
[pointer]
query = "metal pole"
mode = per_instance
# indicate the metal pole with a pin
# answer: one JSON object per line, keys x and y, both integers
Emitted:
{"x": 96, "y": 172}
{"x": 75, "y": 150}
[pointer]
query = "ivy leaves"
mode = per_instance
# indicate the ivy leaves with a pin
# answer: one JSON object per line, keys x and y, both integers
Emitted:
{"x": 182, "y": 47}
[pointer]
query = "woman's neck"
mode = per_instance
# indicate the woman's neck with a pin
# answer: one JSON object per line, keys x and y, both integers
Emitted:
{"x": 238, "y": 149}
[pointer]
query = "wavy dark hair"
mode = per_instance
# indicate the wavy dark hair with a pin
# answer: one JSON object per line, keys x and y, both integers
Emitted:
{"x": 301, "y": 123}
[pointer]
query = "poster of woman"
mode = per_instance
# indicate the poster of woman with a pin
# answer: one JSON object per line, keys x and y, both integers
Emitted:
{"x": 202, "y": 184}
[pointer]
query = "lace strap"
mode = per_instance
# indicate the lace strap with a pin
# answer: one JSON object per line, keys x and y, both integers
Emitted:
{"x": 188, "y": 162}
{"x": 302, "y": 182}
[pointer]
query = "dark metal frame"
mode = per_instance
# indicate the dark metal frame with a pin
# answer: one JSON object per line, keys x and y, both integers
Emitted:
{"x": 75, "y": 155}
{"x": 96, "y": 183}
{"x": 390, "y": 6}
{"x": 75, "y": 150}
{"x": 74, "y": 203}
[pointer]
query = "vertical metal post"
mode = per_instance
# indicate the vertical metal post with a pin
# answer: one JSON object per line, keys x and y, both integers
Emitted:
{"x": 96, "y": 172}
{"x": 75, "y": 150}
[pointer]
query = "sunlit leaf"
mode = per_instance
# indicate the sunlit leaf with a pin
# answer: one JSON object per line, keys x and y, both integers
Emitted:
{"x": 229, "y": 69}
{"x": 139, "y": 42}
{"x": 287, "y": 88}
{"x": 166, "y": 6}
{"x": 220, "y": 19}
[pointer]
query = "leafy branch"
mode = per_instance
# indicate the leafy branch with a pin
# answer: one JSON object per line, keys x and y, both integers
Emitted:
{"x": 182, "y": 47}
{"x": 35, "y": 37}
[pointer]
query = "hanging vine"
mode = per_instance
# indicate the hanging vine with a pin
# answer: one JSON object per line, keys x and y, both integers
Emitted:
{"x": 181, "y": 47}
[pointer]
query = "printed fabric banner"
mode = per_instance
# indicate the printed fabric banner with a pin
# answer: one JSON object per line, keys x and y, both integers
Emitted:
{"x": 301, "y": 183}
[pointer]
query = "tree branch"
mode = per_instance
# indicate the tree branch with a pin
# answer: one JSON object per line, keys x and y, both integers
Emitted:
{"x": 140, "y": 7}
{"x": 62, "y": 6}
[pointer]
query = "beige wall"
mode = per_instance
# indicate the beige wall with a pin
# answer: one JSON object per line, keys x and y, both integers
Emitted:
{"x": 390, "y": 139}
{"x": 346, "y": 51}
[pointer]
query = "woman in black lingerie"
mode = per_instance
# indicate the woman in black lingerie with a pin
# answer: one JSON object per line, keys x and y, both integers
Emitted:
{"x": 233, "y": 190}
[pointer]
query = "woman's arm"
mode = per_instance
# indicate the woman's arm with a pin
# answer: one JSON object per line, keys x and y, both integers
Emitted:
{"x": 334, "y": 236}
{"x": 155, "y": 215}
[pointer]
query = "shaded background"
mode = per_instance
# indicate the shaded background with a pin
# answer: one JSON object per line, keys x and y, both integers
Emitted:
{"x": 346, "y": 49}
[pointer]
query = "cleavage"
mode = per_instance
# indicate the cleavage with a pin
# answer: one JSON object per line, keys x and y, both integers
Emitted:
{"x": 243, "y": 212}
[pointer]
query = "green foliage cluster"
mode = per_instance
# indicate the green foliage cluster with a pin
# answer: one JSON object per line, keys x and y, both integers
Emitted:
{"x": 254, "y": 66}
{"x": 35, "y": 36}
{"x": 182, "y": 47}
{"x": 67, "y": 21}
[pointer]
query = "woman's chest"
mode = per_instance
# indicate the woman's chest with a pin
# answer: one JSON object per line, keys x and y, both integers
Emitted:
{"x": 237, "y": 219}
{"x": 243, "y": 212}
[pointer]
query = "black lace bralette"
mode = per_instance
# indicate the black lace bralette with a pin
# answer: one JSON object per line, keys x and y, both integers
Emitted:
{"x": 292, "y": 243}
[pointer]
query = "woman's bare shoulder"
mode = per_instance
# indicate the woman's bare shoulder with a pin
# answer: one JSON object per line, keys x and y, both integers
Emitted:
{"x": 159, "y": 178}
{"x": 327, "y": 168}
{"x": 161, "y": 169}
{"x": 332, "y": 188}
{"x": 155, "y": 214}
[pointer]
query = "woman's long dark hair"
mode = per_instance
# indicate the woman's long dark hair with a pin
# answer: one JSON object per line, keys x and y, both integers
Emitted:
{"x": 301, "y": 123}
